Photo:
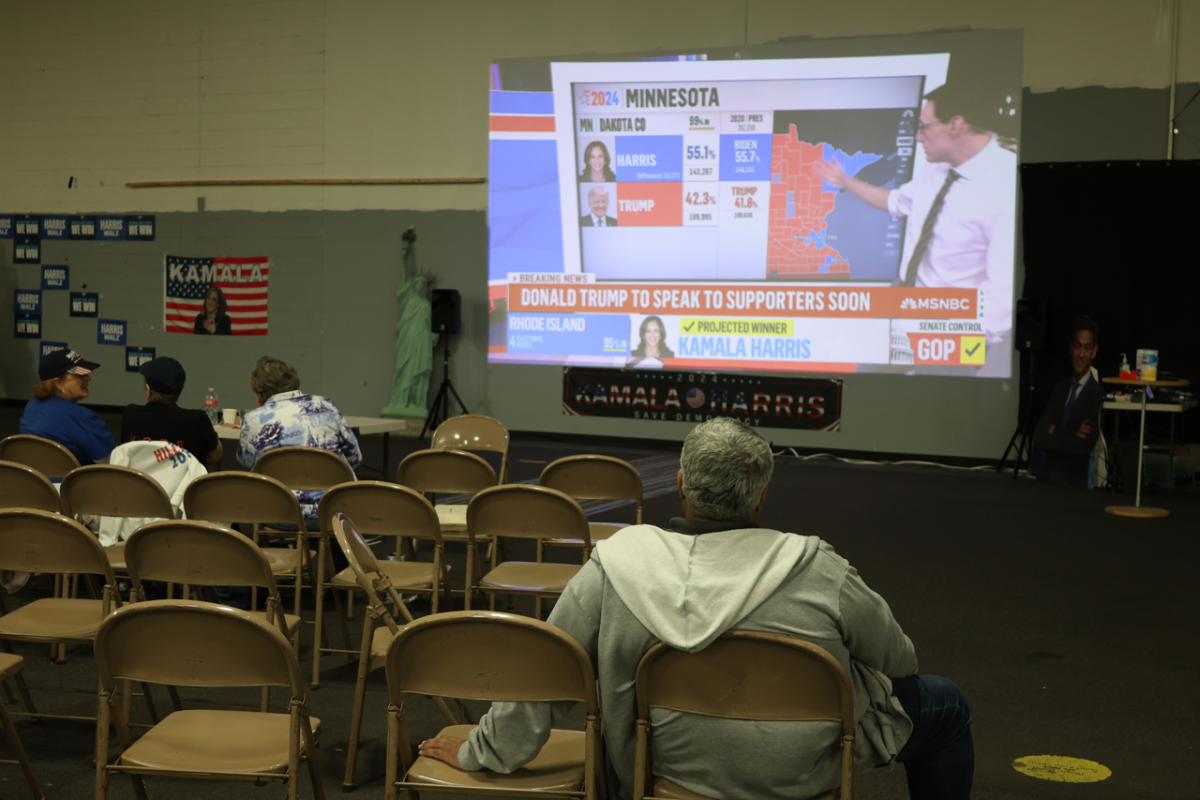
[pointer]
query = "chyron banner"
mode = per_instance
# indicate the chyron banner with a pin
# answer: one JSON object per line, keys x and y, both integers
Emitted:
{"x": 813, "y": 404}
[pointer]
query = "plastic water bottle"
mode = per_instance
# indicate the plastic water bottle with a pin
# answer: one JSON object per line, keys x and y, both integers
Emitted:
{"x": 211, "y": 405}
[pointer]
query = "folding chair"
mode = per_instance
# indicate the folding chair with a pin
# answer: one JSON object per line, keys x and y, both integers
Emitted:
{"x": 41, "y": 541}
{"x": 375, "y": 641}
{"x": 105, "y": 490}
{"x": 474, "y": 432}
{"x": 526, "y": 661}
{"x": 205, "y": 554}
{"x": 528, "y": 512}
{"x": 382, "y": 509}
{"x": 446, "y": 471}
{"x": 594, "y": 478}
{"x": 737, "y": 677}
{"x": 246, "y": 498}
{"x": 47, "y": 457}
{"x": 196, "y": 644}
{"x": 10, "y": 665}
{"x": 22, "y": 486}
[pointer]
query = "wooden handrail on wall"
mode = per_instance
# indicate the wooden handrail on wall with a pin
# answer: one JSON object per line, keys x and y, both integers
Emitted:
{"x": 312, "y": 182}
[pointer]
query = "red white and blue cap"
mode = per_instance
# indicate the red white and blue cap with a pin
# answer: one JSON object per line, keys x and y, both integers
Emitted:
{"x": 56, "y": 362}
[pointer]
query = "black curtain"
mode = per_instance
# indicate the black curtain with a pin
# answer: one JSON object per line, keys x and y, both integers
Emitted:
{"x": 1120, "y": 242}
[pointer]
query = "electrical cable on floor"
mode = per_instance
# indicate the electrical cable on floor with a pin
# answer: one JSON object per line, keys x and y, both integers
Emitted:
{"x": 791, "y": 451}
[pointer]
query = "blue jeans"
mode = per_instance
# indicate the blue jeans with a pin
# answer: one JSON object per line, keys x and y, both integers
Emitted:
{"x": 939, "y": 756}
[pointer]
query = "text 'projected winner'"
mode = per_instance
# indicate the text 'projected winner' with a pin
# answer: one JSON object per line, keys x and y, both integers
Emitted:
{"x": 722, "y": 180}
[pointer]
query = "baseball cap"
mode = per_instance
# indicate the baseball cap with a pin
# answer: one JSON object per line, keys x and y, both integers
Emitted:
{"x": 56, "y": 362}
{"x": 163, "y": 374}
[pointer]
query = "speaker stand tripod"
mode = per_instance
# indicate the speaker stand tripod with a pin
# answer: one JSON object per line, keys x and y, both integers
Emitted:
{"x": 439, "y": 412}
{"x": 1024, "y": 429}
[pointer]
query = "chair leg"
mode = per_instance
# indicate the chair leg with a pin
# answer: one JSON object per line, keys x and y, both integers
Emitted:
{"x": 396, "y": 738}
{"x": 150, "y": 703}
{"x": 175, "y": 701}
{"x": 360, "y": 693}
{"x": 11, "y": 732}
{"x": 319, "y": 591}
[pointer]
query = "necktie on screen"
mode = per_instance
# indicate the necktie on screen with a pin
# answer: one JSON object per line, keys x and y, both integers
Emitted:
{"x": 599, "y": 222}
{"x": 1070, "y": 403}
{"x": 910, "y": 275}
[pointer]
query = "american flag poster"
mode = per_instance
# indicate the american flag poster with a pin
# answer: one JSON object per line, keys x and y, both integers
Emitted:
{"x": 216, "y": 296}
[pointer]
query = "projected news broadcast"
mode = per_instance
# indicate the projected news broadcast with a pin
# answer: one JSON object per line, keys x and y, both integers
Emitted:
{"x": 823, "y": 215}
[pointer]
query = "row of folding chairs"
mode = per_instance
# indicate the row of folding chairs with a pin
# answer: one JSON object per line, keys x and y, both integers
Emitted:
{"x": 530, "y": 660}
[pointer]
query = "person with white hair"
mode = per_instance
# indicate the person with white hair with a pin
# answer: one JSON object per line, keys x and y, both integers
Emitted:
{"x": 714, "y": 570}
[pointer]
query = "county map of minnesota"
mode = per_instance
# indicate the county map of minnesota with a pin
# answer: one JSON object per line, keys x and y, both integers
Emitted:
{"x": 800, "y": 202}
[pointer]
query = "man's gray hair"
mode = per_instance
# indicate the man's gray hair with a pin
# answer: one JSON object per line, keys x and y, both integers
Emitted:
{"x": 726, "y": 465}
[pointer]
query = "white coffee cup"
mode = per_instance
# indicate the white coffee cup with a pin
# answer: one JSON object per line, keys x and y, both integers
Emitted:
{"x": 229, "y": 416}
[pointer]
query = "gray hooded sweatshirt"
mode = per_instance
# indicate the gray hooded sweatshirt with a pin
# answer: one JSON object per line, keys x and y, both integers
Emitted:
{"x": 645, "y": 585}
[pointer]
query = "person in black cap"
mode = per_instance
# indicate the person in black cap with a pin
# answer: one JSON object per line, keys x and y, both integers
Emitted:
{"x": 54, "y": 412}
{"x": 161, "y": 419}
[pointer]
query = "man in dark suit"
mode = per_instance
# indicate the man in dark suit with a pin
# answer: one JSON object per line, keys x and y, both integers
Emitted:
{"x": 598, "y": 202}
{"x": 1070, "y": 425}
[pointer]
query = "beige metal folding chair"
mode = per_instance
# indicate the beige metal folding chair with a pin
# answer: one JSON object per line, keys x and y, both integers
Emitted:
{"x": 382, "y": 509}
{"x": 446, "y": 471}
{"x": 594, "y": 478}
{"x": 526, "y": 660}
{"x": 10, "y": 666}
{"x": 373, "y": 654}
{"x": 528, "y": 512}
{"x": 474, "y": 432}
{"x": 22, "y": 486}
{"x": 196, "y": 644}
{"x": 246, "y": 498}
{"x": 737, "y": 677}
{"x": 41, "y": 541}
{"x": 47, "y": 457}
{"x": 204, "y": 554}
{"x": 104, "y": 490}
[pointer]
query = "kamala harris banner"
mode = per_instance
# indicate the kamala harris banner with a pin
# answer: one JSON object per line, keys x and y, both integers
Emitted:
{"x": 761, "y": 401}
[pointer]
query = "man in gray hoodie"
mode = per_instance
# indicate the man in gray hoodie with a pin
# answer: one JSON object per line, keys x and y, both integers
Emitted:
{"x": 715, "y": 570}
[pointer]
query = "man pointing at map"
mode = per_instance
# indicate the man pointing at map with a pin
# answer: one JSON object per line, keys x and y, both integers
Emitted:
{"x": 960, "y": 208}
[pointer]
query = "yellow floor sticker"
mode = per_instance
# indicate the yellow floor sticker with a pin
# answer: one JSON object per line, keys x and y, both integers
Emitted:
{"x": 1062, "y": 768}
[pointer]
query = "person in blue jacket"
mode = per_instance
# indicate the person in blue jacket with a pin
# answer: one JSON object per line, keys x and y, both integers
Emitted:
{"x": 54, "y": 412}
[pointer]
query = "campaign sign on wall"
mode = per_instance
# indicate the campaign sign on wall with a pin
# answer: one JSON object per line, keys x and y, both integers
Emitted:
{"x": 85, "y": 304}
{"x": 140, "y": 228}
{"x": 27, "y": 301}
{"x": 6, "y": 226}
{"x": 110, "y": 229}
{"x": 50, "y": 347}
{"x": 111, "y": 331}
{"x": 27, "y": 326}
{"x": 83, "y": 227}
{"x": 136, "y": 356}
{"x": 27, "y": 239}
{"x": 758, "y": 400}
{"x": 54, "y": 226}
{"x": 56, "y": 276}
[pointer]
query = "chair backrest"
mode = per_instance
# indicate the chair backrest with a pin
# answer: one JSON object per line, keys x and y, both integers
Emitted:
{"x": 23, "y": 486}
{"x": 197, "y": 553}
{"x": 474, "y": 432}
{"x": 191, "y": 643}
{"x": 528, "y": 512}
{"x": 47, "y": 457}
{"x": 367, "y": 572}
{"x": 737, "y": 677}
{"x": 381, "y": 509}
{"x": 482, "y": 655}
{"x": 445, "y": 471}
{"x": 243, "y": 497}
{"x": 591, "y": 477}
{"x": 42, "y": 541}
{"x": 301, "y": 468}
{"x": 110, "y": 491}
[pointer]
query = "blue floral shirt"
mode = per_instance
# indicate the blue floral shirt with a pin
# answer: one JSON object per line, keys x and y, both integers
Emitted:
{"x": 297, "y": 419}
